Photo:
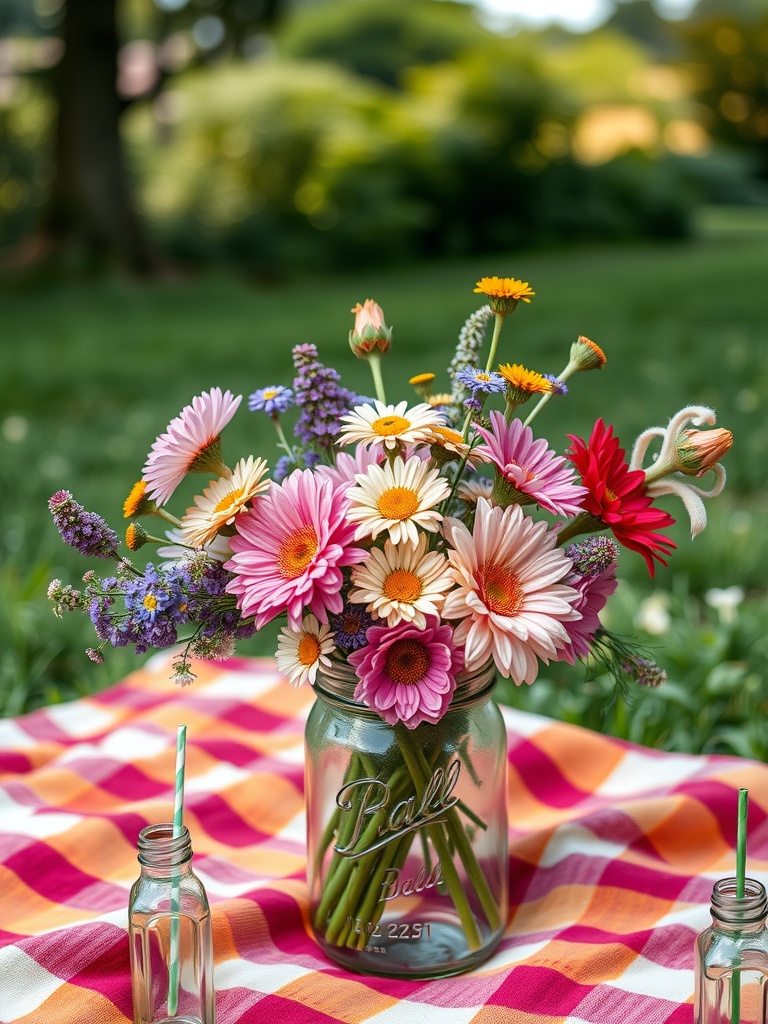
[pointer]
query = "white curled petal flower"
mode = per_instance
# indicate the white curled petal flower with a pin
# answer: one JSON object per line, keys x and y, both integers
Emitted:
{"x": 690, "y": 495}
{"x": 695, "y": 415}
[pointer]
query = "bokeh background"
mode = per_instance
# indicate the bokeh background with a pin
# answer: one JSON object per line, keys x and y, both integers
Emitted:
{"x": 190, "y": 187}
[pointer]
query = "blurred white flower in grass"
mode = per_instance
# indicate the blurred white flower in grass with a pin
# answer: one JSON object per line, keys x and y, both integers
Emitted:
{"x": 725, "y": 601}
{"x": 15, "y": 429}
{"x": 653, "y": 614}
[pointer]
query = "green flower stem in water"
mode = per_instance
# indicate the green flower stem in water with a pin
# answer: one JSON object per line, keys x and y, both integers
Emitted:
{"x": 420, "y": 771}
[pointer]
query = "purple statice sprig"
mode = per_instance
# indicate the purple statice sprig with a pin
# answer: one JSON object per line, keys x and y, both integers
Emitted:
{"x": 321, "y": 398}
{"x": 593, "y": 556}
{"x": 85, "y": 531}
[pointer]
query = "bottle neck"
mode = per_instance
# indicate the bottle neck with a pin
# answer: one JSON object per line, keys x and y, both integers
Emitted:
{"x": 732, "y": 913}
{"x": 161, "y": 853}
{"x": 339, "y": 680}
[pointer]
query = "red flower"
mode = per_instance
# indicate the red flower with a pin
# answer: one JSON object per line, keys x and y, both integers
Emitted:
{"x": 617, "y": 496}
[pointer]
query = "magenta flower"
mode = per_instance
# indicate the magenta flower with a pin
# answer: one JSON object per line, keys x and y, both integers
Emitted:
{"x": 191, "y": 444}
{"x": 407, "y": 674}
{"x": 289, "y": 551}
{"x": 593, "y": 592}
{"x": 530, "y": 467}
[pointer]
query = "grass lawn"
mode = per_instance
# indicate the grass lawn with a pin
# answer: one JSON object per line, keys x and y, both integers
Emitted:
{"x": 92, "y": 372}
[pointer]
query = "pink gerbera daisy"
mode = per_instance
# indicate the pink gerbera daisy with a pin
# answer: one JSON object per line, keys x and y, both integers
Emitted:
{"x": 289, "y": 551}
{"x": 510, "y": 595}
{"x": 408, "y": 674}
{"x": 531, "y": 470}
{"x": 348, "y": 466}
{"x": 191, "y": 444}
{"x": 593, "y": 591}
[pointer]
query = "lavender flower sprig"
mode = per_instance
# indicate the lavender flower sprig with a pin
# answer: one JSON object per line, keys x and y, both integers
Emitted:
{"x": 85, "y": 531}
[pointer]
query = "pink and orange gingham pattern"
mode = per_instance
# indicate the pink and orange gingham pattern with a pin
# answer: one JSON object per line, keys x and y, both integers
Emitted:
{"x": 614, "y": 850}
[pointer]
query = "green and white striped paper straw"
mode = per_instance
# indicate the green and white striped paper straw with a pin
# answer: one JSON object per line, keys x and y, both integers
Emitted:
{"x": 178, "y": 823}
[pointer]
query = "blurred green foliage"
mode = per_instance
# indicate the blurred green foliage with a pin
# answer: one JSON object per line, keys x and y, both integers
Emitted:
{"x": 94, "y": 372}
{"x": 372, "y": 132}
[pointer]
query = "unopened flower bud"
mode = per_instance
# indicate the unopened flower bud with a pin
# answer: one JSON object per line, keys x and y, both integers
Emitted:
{"x": 370, "y": 333}
{"x": 586, "y": 355}
{"x": 135, "y": 537}
{"x": 696, "y": 451}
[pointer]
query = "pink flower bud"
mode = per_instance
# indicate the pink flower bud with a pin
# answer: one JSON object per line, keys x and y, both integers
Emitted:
{"x": 696, "y": 451}
{"x": 370, "y": 332}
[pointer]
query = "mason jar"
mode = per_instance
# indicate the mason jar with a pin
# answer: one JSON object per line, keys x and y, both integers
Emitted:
{"x": 169, "y": 923}
{"x": 731, "y": 957}
{"x": 406, "y": 831}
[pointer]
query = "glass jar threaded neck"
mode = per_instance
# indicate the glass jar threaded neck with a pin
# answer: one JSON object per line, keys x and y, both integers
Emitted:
{"x": 160, "y": 849}
{"x": 339, "y": 680}
{"x": 731, "y": 911}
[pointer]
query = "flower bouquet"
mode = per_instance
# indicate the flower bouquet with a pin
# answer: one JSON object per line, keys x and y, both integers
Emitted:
{"x": 414, "y": 550}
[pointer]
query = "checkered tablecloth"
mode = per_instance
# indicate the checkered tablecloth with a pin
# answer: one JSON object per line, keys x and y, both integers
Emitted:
{"x": 614, "y": 850}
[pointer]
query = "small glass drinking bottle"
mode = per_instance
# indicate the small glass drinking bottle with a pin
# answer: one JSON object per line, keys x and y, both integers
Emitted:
{"x": 731, "y": 957}
{"x": 170, "y": 934}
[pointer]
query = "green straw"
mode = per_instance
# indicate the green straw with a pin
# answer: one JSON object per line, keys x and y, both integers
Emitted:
{"x": 741, "y": 870}
{"x": 741, "y": 843}
{"x": 178, "y": 824}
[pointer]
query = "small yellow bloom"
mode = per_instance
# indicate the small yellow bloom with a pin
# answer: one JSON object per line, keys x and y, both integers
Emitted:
{"x": 137, "y": 504}
{"x": 422, "y": 378}
{"x": 135, "y": 537}
{"x": 504, "y": 292}
{"x": 522, "y": 383}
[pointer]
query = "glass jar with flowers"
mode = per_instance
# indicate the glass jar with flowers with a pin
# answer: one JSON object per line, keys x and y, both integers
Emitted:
{"x": 414, "y": 552}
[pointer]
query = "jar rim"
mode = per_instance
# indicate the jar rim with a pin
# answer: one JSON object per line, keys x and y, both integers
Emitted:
{"x": 727, "y": 906}
{"x": 159, "y": 847}
{"x": 338, "y": 682}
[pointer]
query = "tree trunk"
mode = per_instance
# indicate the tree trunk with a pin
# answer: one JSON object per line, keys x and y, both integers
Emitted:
{"x": 91, "y": 211}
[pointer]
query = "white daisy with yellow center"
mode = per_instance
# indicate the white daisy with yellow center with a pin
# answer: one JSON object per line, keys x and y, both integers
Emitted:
{"x": 472, "y": 490}
{"x": 399, "y": 497}
{"x": 452, "y": 441}
{"x": 221, "y": 501}
{"x": 402, "y": 583}
{"x": 300, "y": 653}
{"x": 390, "y": 425}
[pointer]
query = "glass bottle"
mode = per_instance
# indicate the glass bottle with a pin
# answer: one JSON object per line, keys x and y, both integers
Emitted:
{"x": 407, "y": 831}
{"x": 170, "y": 933}
{"x": 731, "y": 961}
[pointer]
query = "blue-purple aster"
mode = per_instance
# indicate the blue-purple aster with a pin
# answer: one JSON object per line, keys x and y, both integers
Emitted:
{"x": 559, "y": 387}
{"x": 350, "y": 627}
{"x": 155, "y": 594}
{"x": 85, "y": 531}
{"x": 322, "y": 399}
{"x": 476, "y": 380}
{"x": 272, "y": 401}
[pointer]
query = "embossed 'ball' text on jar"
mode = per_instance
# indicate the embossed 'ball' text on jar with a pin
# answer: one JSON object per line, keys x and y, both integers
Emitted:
{"x": 407, "y": 831}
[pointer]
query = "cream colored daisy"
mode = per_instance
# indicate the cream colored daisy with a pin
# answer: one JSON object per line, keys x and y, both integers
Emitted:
{"x": 471, "y": 490}
{"x": 300, "y": 653}
{"x": 402, "y": 583}
{"x": 451, "y": 441}
{"x": 390, "y": 425}
{"x": 220, "y": 502}
{"x": 399, "y": 497}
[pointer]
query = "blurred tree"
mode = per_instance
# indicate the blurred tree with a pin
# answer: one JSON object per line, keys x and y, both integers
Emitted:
{"x": 381, "y": 39}
{"x": 728, "y": 64}
{"x": 90, "y": 214}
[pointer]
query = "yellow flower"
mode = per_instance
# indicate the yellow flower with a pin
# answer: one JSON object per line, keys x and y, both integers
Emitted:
{"x": 504, "y": 292}
{"x": 522, "y": 383}
{"x": 422, "y": 378}
{"x": 137, "y": 503}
